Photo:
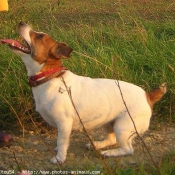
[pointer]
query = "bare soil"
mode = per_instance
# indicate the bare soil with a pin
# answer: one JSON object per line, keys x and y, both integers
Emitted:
{"x": 33, "y": 151}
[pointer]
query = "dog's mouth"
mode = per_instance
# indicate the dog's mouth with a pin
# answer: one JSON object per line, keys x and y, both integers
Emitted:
{"x": 16, "y": 45}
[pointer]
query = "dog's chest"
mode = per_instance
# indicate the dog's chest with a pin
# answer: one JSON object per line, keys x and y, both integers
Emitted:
{"x": 45, "y": 103}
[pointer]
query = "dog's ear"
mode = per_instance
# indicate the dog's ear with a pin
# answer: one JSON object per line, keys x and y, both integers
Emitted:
{"x": 61, "y": 50}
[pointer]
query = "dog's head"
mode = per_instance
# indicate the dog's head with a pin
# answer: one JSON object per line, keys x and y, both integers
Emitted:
{"x": 40, "y": 52}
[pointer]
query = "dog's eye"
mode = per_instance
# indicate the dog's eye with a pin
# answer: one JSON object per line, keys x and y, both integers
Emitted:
{"x": 39, "y": 36}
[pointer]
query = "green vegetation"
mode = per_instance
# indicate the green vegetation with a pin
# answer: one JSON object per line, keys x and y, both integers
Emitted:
{"x": 134, "y": 38}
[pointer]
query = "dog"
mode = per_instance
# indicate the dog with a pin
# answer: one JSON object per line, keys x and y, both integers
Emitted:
{"x": 98, "y": 101}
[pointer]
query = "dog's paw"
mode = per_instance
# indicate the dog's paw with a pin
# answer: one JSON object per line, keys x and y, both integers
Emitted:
{"x": 57, "y": 160}
{"x": 113, "y": 152}
{"x": 106, "y": 153}
{"x": 117, "y": 152}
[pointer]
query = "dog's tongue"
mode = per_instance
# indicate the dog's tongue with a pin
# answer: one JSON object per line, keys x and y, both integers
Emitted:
{"x": 11, "y": 42}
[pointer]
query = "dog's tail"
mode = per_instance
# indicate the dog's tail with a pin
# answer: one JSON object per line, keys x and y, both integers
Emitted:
{"x": 156, "y": 94}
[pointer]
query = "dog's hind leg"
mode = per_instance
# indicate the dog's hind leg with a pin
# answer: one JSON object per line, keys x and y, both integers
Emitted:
{"x": 110, "y": 140}
{"x": 124, "y": 138}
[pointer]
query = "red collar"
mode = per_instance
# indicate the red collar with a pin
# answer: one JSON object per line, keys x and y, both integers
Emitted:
{"x": 49, "y": 74}
{"x": 46, "y": 73}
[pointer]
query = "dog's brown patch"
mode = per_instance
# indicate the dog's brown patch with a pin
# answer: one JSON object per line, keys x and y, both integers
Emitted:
{"x": 46, "y": 50}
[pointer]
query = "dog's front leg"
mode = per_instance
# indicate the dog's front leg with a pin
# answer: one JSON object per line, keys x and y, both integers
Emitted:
{"x": 64, "y": 131}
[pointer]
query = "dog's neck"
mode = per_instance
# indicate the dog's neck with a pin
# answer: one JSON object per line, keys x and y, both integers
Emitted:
{"x": 51, "y": 63}
{"x": 33, "y": 67}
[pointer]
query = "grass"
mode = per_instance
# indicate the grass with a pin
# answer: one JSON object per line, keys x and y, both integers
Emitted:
{"x": 135, "y": 38}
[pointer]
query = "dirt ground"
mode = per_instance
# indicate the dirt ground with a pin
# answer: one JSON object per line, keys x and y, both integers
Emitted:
{"x": 33, "y": 151}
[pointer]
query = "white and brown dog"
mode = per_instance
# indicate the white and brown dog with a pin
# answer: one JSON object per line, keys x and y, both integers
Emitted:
{"x": 98, "y": 101}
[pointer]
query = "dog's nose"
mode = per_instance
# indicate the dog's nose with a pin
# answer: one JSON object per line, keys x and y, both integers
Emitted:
{"x": 22, "y": 23}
